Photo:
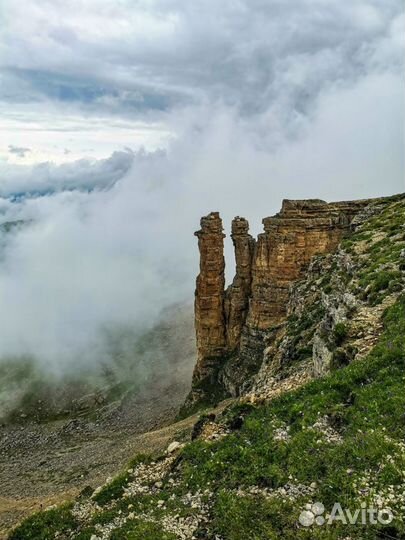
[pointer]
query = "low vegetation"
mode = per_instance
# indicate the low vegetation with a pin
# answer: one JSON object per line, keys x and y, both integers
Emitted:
{"x": 362, "y": 404}
{"x": 46, "y": 525}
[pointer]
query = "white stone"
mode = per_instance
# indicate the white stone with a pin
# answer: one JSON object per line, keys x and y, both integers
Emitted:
{"x": 175, "y": 445}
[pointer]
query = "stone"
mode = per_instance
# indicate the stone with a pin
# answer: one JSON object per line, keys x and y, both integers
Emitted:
{"x": 175, "y": 445}
{"x": 291, "y": 238}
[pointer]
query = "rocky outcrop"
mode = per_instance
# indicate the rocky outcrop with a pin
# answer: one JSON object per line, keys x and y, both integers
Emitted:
{"x": 284, "y": 250}
{"x": 220, "y": 315}
{"x": 210, "y": 298}
{"x": 233, "y": 326}
{"x": 335, "y": 314}
{"x": 238, "y": 294}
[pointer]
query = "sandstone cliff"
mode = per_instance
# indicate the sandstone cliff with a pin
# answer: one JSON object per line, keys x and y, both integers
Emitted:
{"x": 238, "y": 294}
{"x": 234, "y": 326}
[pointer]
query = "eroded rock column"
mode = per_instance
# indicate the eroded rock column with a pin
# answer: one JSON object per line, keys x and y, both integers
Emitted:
{"x": 235, "y": 328}
{"x": 209, "y": 298}
{"x": 237, "y": 295}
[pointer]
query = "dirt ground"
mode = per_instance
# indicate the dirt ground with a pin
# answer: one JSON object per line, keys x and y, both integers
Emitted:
{"x": 41, "y": 465}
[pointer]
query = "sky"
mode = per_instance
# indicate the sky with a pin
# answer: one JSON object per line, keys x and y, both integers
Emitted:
{"x": 122, "y": 122}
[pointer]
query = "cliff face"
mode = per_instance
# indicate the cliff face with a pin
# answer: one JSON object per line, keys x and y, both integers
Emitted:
{"x": 301, "y": 230}
{"x": 336, "y": 312}
{"x": 232, "y": 325}
{"x": 284, "y": 250}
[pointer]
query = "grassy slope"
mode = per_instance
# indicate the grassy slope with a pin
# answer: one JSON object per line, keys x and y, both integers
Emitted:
{"x": 368, "y": 265}
{"x": 365, "y": 400}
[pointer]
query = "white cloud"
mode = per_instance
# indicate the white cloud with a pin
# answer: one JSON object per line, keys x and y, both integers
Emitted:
{"x": 252, "y": 101}
{"x": 139, "y": 61}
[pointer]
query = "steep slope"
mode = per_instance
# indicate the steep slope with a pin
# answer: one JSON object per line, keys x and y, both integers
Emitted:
{"x": 334, "y": 315}
{"x": 255, "y": 469}
{"x": 320, "y": 422}
{"x": 134, "y": 365}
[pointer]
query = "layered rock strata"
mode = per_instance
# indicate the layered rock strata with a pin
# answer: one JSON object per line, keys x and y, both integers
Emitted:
{"x": 284, "y": 250}
{"x": 210, "y": 297}
{"x": 238, "y": 294}
{"x": 231, "y": 325}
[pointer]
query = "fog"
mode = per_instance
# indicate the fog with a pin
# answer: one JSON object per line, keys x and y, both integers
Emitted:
{"x": 308, "y": 105}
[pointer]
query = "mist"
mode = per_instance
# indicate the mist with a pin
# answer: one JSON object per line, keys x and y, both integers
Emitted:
{"x": 106, "y": 244}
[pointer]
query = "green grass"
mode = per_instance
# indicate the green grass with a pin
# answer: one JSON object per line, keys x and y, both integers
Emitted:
{"x": 381, "y": 271}
{"x": 44, "y": 525}
{"x": 240, "y": 518}
{"x": 366, "y": 400}
{"x": 339, "y": 333}
{"x": 138, "y": 529}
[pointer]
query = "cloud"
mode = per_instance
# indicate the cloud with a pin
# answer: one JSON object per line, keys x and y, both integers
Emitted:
{"x": 262, "y": 101}
{"x": 153, "y": 58}
{"x": 20, "y": 151}
{"x": 45, "y": 178}
{"x": 117, "y": 256}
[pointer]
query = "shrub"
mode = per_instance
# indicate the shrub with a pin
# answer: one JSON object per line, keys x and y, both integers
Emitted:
{"x": 339, "y": 333}
{"x": 340, "y": 359}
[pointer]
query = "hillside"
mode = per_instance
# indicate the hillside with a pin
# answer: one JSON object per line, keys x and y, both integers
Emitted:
{"x": 316, "y": 415}
{"x": 60, "y": 434}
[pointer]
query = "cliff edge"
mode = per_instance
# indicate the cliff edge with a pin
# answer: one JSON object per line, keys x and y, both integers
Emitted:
{"x": 235, "y": 327}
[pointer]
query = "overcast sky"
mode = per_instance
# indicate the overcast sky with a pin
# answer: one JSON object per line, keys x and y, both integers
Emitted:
{"x": 122, "y": 122}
